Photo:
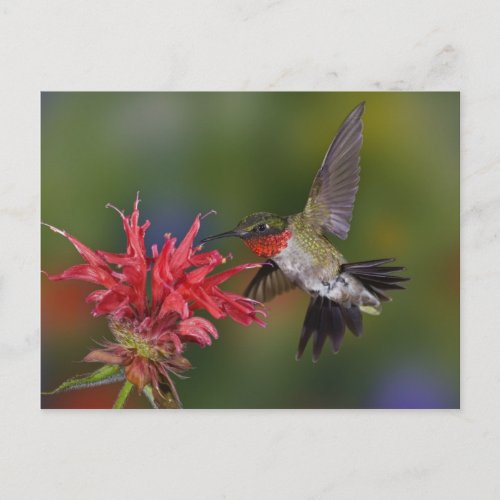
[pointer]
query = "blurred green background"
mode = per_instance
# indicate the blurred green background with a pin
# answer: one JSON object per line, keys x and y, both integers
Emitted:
{"x": 243, "y": 152}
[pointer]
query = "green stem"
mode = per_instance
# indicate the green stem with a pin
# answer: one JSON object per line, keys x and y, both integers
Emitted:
{"x": 123, "y": 395}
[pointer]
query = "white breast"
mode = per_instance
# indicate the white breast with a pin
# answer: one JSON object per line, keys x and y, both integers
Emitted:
{"x": 298, "y": 266}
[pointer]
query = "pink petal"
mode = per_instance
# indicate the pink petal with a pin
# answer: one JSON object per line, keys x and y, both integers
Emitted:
{"x": 205, "y": 301}
{"x": 89, "y": 255}
{"x": 179, "y": 260}
{"x": 85, "y": 272}
{"x": 206, "y": 258}
{"x": 110, "y": 303}
{"x": 161, "y": 273}
{"x": 174, "y": 303}
{"x": 138, "y": 372}
{"x": 119, "y": 259}
{"x": 102, "y": 356}
{"x": 197, "y": 330}
{"x": 178, "y": 345}
{"x": 233, "y": 300}
{"x": 217, "y": 279}
{"x": 198, "y": 275}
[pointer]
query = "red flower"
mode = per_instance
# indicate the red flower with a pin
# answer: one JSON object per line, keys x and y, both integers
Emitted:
{"x": 151, "y": 334}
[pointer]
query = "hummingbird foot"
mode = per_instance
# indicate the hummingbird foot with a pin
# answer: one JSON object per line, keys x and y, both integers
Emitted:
{"x": 329, "y": 285}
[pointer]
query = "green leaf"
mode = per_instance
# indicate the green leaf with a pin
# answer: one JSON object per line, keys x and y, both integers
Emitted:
{"x": 148, "y": 392}
{"x": 123, "y": 395}
{"x": 105, "y": 375}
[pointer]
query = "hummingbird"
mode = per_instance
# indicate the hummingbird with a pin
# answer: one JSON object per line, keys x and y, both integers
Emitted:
{"x": 299, "y": 254}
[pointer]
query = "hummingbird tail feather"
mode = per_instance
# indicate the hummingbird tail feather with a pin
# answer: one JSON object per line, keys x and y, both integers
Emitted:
{"x": 375, "y": 277}
{"x": 327, "y": 319}
{"x": 353, "y": 319}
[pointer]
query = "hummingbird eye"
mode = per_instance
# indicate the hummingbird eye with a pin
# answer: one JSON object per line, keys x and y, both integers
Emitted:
{"x": 261, "y": 228}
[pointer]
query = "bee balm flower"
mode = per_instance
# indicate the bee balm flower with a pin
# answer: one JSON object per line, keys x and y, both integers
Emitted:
{"x": 151, "y": 331}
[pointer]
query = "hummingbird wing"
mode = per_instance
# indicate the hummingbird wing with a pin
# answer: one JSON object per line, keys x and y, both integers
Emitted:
{"x": 268, "y": 282}
{"x": 331, "y": 200}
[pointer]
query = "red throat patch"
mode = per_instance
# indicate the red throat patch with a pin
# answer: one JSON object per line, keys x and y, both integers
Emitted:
{"x": 269, "y": 245}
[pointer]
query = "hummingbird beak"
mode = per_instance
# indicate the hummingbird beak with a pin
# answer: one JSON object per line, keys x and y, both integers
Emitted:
{"x": 221, "y": 235}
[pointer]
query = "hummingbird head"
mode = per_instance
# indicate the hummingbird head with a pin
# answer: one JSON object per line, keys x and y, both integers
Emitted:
{"x": 264, "y": 233}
